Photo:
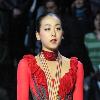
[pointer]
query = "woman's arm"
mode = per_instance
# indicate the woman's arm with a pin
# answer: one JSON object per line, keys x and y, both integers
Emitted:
{"x": 78, "y": 92}
{"x": 23, "y": 80}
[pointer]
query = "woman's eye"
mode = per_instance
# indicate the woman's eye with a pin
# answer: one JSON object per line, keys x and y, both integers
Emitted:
{"x": 58, "y": 28}
{"x": 47, "y": 29}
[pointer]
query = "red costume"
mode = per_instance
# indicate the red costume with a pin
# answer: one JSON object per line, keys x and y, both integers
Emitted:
{"x": 30, "y": 77}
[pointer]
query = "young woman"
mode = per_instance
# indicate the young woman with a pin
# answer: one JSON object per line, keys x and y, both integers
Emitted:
{"x": 49, "y": 75}
{"x": 92, "y": 42}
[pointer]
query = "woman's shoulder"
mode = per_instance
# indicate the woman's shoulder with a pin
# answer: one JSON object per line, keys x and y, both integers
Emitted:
{"x": 77, "y": 66}
{"x": 70, "y": 60}
{"x": 27, "y": 61}
{"x": 73, "y": 62}
{"x": 28, "y": 58}
{"x": 76, "y": 62}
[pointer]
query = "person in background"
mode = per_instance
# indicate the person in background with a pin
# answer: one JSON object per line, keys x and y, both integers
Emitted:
{"x": 92, "y": 42}
{"x": 49, "y": 75}
{"x": 95, "y": 5}
{"x": 94, "y": 90}
{"x": 14, "y": 16}
{"x": 48, "y": 6}
{"x": 81, "y": 10}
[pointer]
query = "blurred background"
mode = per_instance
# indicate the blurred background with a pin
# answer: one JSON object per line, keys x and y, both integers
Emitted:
{"x": 81, "y": 25}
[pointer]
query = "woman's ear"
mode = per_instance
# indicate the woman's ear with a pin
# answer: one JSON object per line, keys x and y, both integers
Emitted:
{"x": 37, "y": 36}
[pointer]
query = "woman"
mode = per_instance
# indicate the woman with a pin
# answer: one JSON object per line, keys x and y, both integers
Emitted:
{"x": 49, "y": 75}
{"x": 92, "y": 42}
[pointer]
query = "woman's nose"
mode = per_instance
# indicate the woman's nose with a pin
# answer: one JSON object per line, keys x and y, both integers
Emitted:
{"x": 53, "y": 33}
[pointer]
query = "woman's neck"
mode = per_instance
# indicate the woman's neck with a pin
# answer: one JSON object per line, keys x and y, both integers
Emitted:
{"x": 50, "y": 55}
{"x": 49, "y": 50}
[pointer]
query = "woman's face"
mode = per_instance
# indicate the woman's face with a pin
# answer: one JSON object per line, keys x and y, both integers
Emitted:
{"x": 51, "y": 7}
{"x": 97, "y": 22}
{"x": 79, "y": 3}
{"x": 50, "y": 33}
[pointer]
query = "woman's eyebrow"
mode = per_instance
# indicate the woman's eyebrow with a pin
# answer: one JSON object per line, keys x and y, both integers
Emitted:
{"x": 50, "y": 25}
{"x": 58, "y": 24}
{"x": 47, "y": 25}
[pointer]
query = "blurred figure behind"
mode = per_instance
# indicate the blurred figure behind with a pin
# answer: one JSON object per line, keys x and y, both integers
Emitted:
{"x": 92, "y": 42}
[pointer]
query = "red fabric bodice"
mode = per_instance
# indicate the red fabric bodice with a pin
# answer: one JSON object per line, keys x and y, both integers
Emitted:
{"x": 66, "y": 82}
{"x": 31, "y": 76}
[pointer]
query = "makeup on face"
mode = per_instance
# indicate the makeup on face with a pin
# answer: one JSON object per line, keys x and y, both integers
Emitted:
{"x": 50, "y": 32}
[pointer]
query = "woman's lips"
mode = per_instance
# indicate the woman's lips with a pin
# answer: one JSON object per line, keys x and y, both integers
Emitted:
{"x": 53, "y": 40}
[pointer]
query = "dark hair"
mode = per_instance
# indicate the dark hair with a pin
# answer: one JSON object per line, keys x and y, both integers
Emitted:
{"x": 97, "y": 12}
{"x": 38, "y": 23}
{"x": 93, "y": 18}
{"x": 55, "y": 1}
